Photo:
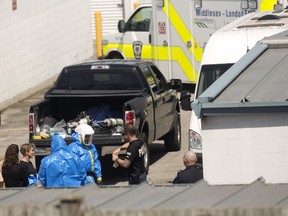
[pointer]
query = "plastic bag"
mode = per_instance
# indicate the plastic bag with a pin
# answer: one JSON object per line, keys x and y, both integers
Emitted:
{"x": 59, "y": 126}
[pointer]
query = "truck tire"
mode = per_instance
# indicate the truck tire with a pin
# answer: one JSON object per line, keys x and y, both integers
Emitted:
{"x": 172, "y": 139}
{"x": 38, "y": 161}
{"x": 144, "y": 138}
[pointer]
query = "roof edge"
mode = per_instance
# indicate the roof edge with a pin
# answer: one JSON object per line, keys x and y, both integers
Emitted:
{"x": 212, "y": 109}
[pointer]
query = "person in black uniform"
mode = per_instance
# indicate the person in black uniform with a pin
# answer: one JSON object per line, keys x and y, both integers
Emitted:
{"x": 191, "y": 173}
{"x": 134, "y": 158}
{"x": 14, "y": 174}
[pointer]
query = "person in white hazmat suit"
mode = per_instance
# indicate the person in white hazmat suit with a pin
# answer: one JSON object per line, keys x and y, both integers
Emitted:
{"x": 82, "y": 146}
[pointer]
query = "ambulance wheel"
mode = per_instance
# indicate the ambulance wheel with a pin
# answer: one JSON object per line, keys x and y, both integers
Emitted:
{"x": 172, "y": 139}
{"x": 115, "y": 56}
{"x": 146, "y": 152}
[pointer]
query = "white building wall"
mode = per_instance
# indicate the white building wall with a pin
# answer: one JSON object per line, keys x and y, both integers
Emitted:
{"x": 240, "y": 149}
{"x": 37, "y": 41}
{"x": 111, "y": 11}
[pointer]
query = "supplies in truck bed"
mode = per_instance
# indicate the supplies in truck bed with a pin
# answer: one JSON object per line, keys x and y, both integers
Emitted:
{"x": 101, "y": 118}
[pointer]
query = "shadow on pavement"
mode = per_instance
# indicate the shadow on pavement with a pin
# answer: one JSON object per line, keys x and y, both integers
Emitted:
{"x": 112, "y": 176}
{"x": 157, "y": 151}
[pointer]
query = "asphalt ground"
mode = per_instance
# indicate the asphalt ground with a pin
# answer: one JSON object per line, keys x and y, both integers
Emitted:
{"x": 163, "y": 165}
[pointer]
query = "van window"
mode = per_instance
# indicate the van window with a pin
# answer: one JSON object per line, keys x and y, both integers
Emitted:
{"x": 209, "y": 74}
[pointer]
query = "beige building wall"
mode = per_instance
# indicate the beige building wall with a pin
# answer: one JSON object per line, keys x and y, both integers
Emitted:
{"x": 240, "y": 149}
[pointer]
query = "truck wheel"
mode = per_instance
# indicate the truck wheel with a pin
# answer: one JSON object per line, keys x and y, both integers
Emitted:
{"x": 147, "y": 153}
{"x": 172, "y": 139}
{"x": 38, "y": 162}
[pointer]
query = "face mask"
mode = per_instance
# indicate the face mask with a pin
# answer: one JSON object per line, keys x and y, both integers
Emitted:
{"x": 87, "y": 139}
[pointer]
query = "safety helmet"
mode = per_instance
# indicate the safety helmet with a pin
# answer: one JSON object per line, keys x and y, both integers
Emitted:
{"x": 85, "y": 132}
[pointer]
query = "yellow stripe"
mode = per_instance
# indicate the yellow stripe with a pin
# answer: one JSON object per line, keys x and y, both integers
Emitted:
{"x": 185, "y": 35}
{"x": 91, "y": 157}
{"x": 266, "y": 5}
{"x": 182, "y": 30}
{"x": 177, "y": 55}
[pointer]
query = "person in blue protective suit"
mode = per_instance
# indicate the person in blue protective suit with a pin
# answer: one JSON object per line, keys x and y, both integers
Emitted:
{"x": 83, "y": 147}
{"x": 62, "y": 168}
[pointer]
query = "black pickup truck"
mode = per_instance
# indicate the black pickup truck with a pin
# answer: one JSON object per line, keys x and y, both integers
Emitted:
{"x": 108, "y": 94}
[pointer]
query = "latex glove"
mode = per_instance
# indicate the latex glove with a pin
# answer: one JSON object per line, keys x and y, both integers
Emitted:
{"x": 99, "y": 181}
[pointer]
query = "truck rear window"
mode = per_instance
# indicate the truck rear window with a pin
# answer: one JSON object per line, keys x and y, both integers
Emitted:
{"x": 99, "y": 80}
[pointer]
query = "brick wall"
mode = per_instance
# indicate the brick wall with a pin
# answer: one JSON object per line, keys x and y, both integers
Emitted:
{"x": 38, "y": 39}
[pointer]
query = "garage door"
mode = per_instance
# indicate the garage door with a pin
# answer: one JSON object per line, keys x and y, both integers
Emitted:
{"x": 111, "y": 12}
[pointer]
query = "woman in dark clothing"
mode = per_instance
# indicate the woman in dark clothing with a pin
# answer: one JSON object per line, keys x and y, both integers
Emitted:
{"x": 14, "y": 174}
{"x": 28, "y": 151}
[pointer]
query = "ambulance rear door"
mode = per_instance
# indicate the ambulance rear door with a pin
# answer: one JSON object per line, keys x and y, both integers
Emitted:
{"x": 171, "y": 39}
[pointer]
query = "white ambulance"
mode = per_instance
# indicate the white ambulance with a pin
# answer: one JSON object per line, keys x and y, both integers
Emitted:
{"x": 173, "y": 33}
{"x": 225, "y": 47}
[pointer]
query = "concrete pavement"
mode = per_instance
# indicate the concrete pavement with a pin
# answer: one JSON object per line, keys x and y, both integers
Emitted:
{"x": 14, "y": 122}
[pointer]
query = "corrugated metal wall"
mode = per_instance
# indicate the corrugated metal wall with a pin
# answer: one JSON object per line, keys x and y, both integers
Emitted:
{"x": 200, "y": 199}
{"x": 111, "y": 12}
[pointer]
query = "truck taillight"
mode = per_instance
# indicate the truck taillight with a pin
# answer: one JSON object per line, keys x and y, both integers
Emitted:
{"x": 130, "y": 117}
{"x": 31, "y": 122}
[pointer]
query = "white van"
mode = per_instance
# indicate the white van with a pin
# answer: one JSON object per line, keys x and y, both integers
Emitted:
{"x": 225, "y": 47}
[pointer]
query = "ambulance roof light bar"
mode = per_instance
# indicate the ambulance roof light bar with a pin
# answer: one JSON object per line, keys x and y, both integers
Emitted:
{"x": 253, "y": 4}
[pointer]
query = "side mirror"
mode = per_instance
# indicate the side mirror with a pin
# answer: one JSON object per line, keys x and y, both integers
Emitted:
{"x": 121, "y": 26}
{"x": 176, "y": 84}
{"x": 185, "y": 98}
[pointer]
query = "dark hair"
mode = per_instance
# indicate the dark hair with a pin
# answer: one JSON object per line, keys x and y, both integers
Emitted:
{"x": 11, "y": 156}
{"x": 130, "y": 129}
